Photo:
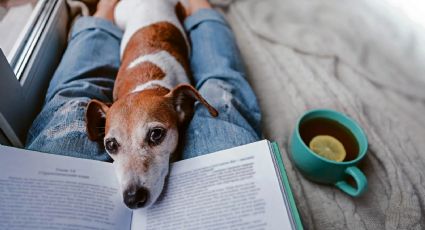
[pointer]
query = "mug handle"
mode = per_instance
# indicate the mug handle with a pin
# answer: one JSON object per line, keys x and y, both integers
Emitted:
{"x": 360, "y": 179}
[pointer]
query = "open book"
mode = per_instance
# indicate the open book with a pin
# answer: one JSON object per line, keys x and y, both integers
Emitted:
{"x": 240, "y": 188}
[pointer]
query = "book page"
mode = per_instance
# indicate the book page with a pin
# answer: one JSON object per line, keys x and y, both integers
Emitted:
{"x": 231, "y": 189}
{"x": 44, "y": 191}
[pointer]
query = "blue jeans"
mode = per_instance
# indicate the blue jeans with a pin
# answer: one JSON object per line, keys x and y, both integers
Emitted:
{"x": 90, "y": 64}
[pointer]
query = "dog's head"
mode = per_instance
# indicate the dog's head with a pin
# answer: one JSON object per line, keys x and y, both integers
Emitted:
{"x": 141, "y": 132}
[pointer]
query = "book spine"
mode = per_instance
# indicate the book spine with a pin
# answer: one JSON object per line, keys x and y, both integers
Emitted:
{"x": 284, "y": 179}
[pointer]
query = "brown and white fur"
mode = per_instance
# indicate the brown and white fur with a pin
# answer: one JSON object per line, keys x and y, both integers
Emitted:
{"x": 152, "y": 98}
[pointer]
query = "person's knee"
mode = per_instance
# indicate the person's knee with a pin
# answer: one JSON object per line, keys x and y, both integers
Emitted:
{"x": 219, "y": 94}
{"x": 60, "y": 118}
{"x": 60, "y": 129}
{"x": 234, "y": 102}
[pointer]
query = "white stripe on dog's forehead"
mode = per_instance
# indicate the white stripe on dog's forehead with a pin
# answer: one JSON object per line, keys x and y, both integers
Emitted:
{"x": 152, "y": 84}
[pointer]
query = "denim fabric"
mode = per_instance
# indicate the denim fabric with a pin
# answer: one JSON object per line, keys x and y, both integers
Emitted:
{"x": 88, "y": 69}
{"x": 220, "y": 78}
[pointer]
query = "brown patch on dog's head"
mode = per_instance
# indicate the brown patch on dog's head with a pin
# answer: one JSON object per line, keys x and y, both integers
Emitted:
{"x": 145, "y": 71}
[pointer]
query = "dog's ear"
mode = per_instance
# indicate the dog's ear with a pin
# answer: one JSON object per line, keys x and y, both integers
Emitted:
{"x": 95, "y": 119}
{"x": 183, "y": 97}
{"x": 181, "y": 11}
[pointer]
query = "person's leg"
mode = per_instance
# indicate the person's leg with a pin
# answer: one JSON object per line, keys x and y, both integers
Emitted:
{"x": 87, "y": 71}
{"x": 220, "y": 78}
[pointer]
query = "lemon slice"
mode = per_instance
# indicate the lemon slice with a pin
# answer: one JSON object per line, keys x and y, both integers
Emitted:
{"x": 328, "y": 147}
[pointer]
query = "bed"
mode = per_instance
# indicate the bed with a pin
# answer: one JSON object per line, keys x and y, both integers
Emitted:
{"x": 363, "y": 58}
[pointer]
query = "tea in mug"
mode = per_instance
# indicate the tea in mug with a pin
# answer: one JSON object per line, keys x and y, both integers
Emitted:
{"x": 327, "y": 129}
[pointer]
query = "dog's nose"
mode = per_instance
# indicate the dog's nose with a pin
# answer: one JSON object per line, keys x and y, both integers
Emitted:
{"x": 136, "y": 197}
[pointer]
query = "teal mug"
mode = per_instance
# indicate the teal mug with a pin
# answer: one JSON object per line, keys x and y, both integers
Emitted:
{"x": 322, "y": 170}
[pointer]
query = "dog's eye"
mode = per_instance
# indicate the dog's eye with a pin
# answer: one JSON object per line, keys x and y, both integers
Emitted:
{"x": 111, "y": 145}
{"x": 156, "y": 135}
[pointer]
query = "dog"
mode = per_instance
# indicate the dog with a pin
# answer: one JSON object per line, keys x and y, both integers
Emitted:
{"x": 153, "y": 100}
